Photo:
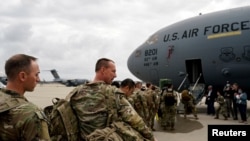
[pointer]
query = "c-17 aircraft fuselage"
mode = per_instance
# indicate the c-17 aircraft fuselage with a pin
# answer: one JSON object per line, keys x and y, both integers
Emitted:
{"x": 213, "y": 47}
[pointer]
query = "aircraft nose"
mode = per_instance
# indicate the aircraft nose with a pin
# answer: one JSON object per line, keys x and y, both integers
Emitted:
{"x": 135, "y": 62}
{"x": 130, "y": 63}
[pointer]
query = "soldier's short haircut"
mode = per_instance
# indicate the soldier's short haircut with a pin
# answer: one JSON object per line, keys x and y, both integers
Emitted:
{"x": 102, "y": 62}
{"x": 18, "y": 63}
{"x": 128, "y": 82}
{"x": 153, "y": 87}
{"x": 148, "y": 84}
{"x": 116, "y": 83}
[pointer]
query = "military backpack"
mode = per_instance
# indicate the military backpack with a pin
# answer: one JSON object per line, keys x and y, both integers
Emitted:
{"x": 106, "y": 101}
{"x": 169, "y": 98}
{"x": 185, "y": 96}
{"x": 63, "y": 124}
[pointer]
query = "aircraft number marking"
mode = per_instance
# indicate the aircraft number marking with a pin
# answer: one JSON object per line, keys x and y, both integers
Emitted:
{"x": 150, "y": 57}
{"x": 150, "y": 52}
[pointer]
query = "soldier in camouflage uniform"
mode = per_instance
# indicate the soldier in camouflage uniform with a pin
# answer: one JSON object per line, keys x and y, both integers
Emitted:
{"x": 169, "y": 107}
{"x": 20, "y": 119}
{"x": 140, "y": 102}
{"x": 153, "y": 104}
{"x": 222, "y": 109}
{"x": 124, "y": 84}
{"x": 156, "y": 98}
{"x": 150, "y": 103}
{"x": 188, "y": 101}
{"x": 99, "y": 104}
{"x": 116, "y": 84}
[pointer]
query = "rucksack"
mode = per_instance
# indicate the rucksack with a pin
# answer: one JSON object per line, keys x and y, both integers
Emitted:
{"x": 117, "y": 131}
{"x": 104, "y": 100}
{"x": 169, "y": 98}
{"x": 63, "y": 124}
{"x": 63, "y": 119}
{"x": 185, "y": 96}
{"x": 106, "y": 134}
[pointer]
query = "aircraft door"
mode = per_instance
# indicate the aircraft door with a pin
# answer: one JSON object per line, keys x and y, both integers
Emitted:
{"x": 194, "y": 70}
{"x": 196, "y": 79}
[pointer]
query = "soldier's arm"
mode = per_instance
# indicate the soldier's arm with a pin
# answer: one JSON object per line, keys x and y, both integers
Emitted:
{"x": 130, "y": 116}
{"x": 154, "y": 99}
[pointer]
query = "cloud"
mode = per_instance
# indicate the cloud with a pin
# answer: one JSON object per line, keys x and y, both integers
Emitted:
{"x": 12, "y": 33}
{"x": 71, "y": 35}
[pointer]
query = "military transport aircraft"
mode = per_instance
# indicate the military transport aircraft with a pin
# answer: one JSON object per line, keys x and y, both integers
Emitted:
{"x": 67, "y": 82}
{"x": 3, "y": 80}
{"x": 207, "y": 49}
{"x": 2, "y": 85}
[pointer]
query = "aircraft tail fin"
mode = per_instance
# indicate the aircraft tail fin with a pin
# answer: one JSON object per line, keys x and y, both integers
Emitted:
{"x": 55, "y": 74}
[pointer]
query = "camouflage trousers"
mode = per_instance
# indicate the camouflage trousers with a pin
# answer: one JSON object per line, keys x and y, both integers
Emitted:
{"x": 189, "y": 108}
{"x": 222, "y": 109}
{"x": 168, "y": 116}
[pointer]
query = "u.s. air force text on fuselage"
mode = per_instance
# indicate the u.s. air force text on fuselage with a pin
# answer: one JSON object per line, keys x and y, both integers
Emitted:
{"x": 208, "y": 30}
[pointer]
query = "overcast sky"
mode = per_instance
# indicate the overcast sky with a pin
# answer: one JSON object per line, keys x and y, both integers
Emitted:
{"x": 70, "y": 35}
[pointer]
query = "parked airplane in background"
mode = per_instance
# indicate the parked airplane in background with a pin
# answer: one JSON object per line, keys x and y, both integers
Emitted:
{"x": 3, "y": 80}
{"x": 207, "y": 49}
{"x": 2, "y": 85}
{"x": 67, "y": 82}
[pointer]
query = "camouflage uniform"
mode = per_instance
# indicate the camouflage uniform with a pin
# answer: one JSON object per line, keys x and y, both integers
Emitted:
{"x": 188, "y": 101}
{"x": 21, "y": 120}
{"x": 98, "y": 105}
{"x": 168, "y": 111}
{"x": 150, "y": 105}
{"x": 222, "y": 109}
{"x": 156, "y": 99}
{"x": 130, "y": 100}
{"x": 140, "y": 103}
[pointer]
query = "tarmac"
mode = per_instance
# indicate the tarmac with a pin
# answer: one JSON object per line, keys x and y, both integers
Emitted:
{"x": 188, "y": 129}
